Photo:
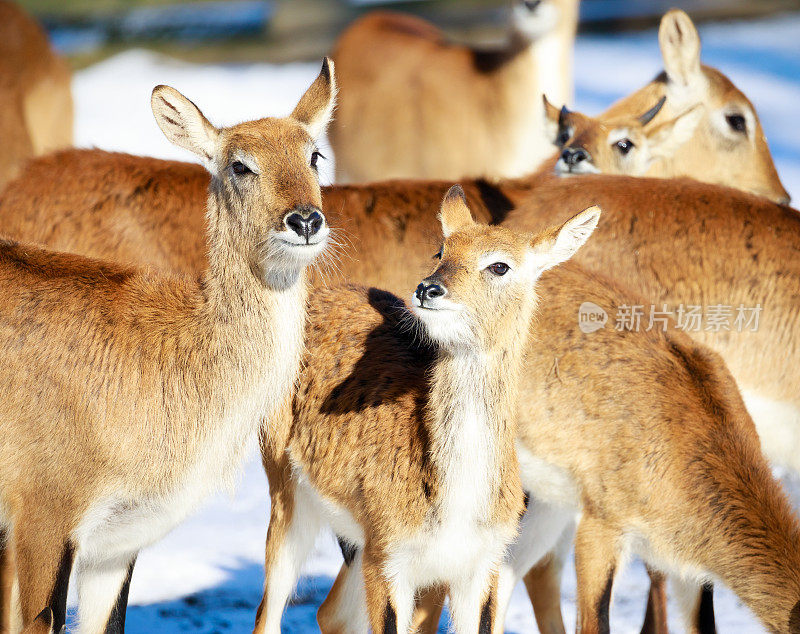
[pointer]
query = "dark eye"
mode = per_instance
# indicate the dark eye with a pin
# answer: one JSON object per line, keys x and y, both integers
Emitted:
{"x": 563, "y": 136}
{"x": 624, "y": 145}
{"x": 316, "y": 156}
{"x": 737, "y": 122}
{"x": 498, "y": 268}
{"x": 438, "y": 255}
{"x": 240, "y": 168}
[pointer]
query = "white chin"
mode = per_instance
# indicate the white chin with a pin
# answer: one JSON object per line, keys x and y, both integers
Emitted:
{"x": 562, "y": 169}
{"x": 444, "y": 326}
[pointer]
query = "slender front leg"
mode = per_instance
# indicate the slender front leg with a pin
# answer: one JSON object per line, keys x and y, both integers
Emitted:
{"x": 429, "y": 610}
{"x": 543, "y": 583}
{"x": 44, "y": 563}
{"x": 390, "y": 603}
{"x": 344, "y": 610}
{"x": 293, "y": 527}
{"x": 103, "y": 594}
{"x": 8, "y": 573}
{"x": 596, "y": 560}
{"x": 655, "y": 617}
{"x": 473, "y": 604}
{"x": 696, "y": 604}
{"x": 537, "y": 556}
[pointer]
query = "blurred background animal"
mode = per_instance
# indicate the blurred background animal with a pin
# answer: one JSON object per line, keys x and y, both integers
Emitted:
{"x": 416, "y": 105}
{"x": 35, "y": 92}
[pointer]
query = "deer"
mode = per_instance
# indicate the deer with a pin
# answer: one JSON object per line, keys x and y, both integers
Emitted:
{"x": 132, "y": 394}
{"x": 84, "y": 201}
{"x": 393, "y": 219}
{"x": 729, "y": 126}
{"x": 36, "y": 102}
{"x": 494, "y": 131}
{"x": 616, "y": 145}
{"x": 390, "y": 220}
{"x": 644, "y": 435}
{"x": 397, "y": 408}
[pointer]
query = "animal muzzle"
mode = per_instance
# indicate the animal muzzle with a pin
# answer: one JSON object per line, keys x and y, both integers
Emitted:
{"x": 305, "y": 221}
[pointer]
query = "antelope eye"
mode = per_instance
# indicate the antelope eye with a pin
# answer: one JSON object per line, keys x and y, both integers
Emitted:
{"x": 498, "y": 268}
{"x": 240, "y": 168}
{"x": 438, "y": 255}
{"x": 624, "y": 145}
{"x": 736, "y": 122}
{"x": 316, "y": 156}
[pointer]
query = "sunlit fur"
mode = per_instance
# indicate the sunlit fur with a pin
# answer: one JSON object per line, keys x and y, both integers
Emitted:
{"x": 388, "y": 426}
{"x": 35, "y": 92}
{"x": 599, "y": 138}
{"x": 416, "y": 105}
{"x": 131, "y": 395}
{"x": 645, "y": 435}
{"x": 716, "y": 153}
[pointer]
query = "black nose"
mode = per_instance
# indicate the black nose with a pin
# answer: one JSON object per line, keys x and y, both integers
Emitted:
{"x": 574, "y": 155}
{"x": 305, "y": 224}
{"x": 532, "y": 4}
{"x": 429, "y": 291}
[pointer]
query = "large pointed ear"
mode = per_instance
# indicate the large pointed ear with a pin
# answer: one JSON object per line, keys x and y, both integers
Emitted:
{"x": 559, "y": 244}
{"x": 552, "y": 117}
{"x": 680, "y": 47}
{"x": 454, "y": 212}
{"x": 315, "y": 108}
{"x": 183, "y": 123}
{"x": 664, "y": 139}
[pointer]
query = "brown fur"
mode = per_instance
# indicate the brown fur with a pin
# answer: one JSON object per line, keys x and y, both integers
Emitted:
{"x": 746, "y": 262}
{"x": 688, "y": 84}
{"x": 35, "y": 92}
{"x": 378, "y": 418}
{"x": 662, "y": 409}
{"x": 416, "y": 105}
{"x": 623, "y": 144}
{"x": 124, "y": 386}
{"x": 42, "y": 624}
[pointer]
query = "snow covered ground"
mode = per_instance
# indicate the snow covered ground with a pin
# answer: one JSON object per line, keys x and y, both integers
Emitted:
{"x": 207, "y": 575}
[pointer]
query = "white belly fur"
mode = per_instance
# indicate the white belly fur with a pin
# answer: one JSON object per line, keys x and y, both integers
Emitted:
{"x": 778, "y": 426}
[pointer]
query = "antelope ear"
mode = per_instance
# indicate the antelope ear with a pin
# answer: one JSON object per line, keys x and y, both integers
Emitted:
{"x": 664, "y": 139}
{"x": 680, "y": 47}
{"x": 558, "y": 244}
{"x": 454, "y": 212}
{"x": 315, "y": 108}
{"x": 552, "y": 121}
{"x": 183, "y": 124}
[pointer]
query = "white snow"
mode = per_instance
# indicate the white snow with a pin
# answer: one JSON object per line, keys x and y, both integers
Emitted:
{"x": 206, "y": 576}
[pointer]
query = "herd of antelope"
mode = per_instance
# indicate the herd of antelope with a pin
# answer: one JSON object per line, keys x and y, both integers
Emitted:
{"x": 157, "y": 316}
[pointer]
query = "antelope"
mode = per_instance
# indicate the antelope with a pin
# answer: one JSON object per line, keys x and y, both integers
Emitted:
{"x": 748, "y": 263}
{"x": 645, "y": 436}
{"x": 394, "y": 221}
{"x": 131, "y": 395}
{"x": 103, "y": 204}
{"x": 36, "y": 102}
{"x": 396, "y": 411}
{"x": 729, "y": 127}
{"x": 415, "y": 105}
{"x": 616, "y": 145}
